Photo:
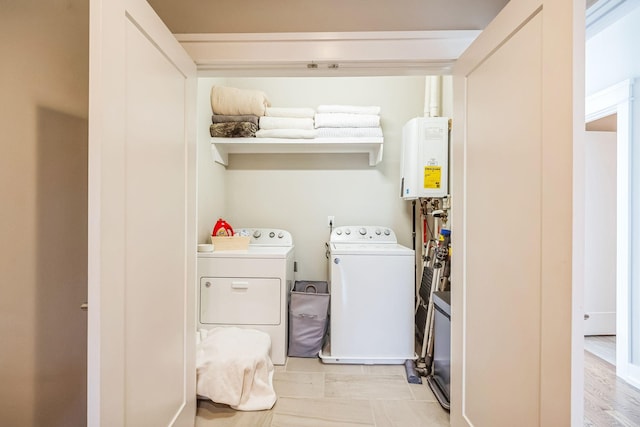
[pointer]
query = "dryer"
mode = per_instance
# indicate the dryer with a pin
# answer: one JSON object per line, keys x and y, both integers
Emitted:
{"x": 249, "y": 288}
{"x": 372, "y": 297}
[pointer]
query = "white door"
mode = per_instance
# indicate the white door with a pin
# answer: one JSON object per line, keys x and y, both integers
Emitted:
{"x": 512, "y": 315}
{"x": 142, "y": 235}
{"x": 600, "y": 233}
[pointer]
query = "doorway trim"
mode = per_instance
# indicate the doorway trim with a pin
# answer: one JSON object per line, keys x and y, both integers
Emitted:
{"x": 617, "y": 99}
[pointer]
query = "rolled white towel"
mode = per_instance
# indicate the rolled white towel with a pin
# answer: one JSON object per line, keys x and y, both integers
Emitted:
{"x": 351, "y": 109}
{"x": 267, "y": 122}
{"x": 290, "y": 112}
{"x": 346, "y": 120}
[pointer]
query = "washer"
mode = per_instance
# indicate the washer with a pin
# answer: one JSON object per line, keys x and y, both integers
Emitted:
{"x": 372, "y": 297}
{"x": 249, "y": 288}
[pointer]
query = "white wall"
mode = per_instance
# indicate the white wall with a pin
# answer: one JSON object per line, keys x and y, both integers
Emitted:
{"x": 43, "y": 110}
{"x": 297, "y": 192}
{"x": 211, "y": 181}
{"x": 611, "y": 54}
{"x": 611, "y": 57}
{"x": 600, "y": 229}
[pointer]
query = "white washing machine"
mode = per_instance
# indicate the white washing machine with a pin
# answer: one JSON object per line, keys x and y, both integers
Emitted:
{"x": 249, "y": 288}
{"x": 372, "y": 297}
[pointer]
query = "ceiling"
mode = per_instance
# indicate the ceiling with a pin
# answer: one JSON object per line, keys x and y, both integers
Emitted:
{"x": 283, "y": 16}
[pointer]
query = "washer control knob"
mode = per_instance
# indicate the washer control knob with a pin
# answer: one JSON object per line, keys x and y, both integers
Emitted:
{"x": 378, "y": 231}
{"x": 363, "y": 231}
{"x": 386, "y": 232}
{"x": 257, "y": 234}
{"x": 339, "y": 232}
{"x": 280, "y": 235}
{"x": 347, "y": 231}
{"x": 272, "y": 234}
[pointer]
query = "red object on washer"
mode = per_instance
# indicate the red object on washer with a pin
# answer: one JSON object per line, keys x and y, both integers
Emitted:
{"x": 222, "y": 228}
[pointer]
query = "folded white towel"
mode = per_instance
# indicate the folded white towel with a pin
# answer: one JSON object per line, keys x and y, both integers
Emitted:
{"x": 234, "y": 368}
{"x": 233, "y": 101}
{"x": 286, "y": 133}
{"x": 352, "y": 109}
{"x": 267, "y": 122}
{"x": 346, "y": 120}
{"x": 349, "y": 133}
{"x": 289, "y": 112}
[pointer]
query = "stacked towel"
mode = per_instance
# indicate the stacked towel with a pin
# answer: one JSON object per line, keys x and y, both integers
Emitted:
{"x": 286, "y": 122}
{"x": 233, "y": 130}
{"x": 267, "y": 122}
{"x": 236, "y": 126}
{"x": 349, "y": 109}
{"x": 290, "y": 112}
{"x": 369, "y": 132}
{"x": 220, "y": 118}
{"x": 348, "y": 121}
{"x": 236, "y": 112}
{"x": 232, "y": 101}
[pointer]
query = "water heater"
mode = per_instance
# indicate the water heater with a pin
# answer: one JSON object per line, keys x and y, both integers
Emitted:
{"x": 425, "y": 158}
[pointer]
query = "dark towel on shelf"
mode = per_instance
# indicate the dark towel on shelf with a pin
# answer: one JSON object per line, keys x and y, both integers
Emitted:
{"x": 221, "y": 118}
{"x": 233, "y": 130}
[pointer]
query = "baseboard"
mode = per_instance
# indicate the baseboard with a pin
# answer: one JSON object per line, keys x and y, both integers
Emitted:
{"x": 600, "y": 323}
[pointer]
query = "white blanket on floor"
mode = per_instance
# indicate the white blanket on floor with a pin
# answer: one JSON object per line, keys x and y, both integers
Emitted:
{"x": 233, "y": 367}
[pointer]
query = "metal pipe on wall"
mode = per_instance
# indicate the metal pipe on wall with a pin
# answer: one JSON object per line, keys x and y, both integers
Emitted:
{"x": 435, "y": 96}
{"x": 432, "y": 96}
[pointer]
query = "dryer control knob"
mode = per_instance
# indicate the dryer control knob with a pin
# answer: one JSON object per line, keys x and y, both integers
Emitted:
{"x": 257, "y": 234}
{"x": 339, "y": 232}
{"x": 378, "y": 231}
{"x": 363, "y": 231}
{"x": 280, "y": 235}
{"x": 386, "y": 232}
{"x": 272, "y": 234}
{"x": 347, "y": 231}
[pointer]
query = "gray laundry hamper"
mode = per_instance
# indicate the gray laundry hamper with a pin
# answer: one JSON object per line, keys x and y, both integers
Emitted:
{"x": 308, "y": 318}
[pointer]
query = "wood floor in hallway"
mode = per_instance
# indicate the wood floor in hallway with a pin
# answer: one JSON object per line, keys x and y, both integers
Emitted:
{"x": 608, "y": 400}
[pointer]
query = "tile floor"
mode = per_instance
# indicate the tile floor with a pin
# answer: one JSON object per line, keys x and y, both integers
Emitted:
{"x": 312, "y": 394}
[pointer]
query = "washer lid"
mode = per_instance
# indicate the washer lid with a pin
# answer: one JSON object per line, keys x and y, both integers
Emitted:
{"x": 392, "y": 249}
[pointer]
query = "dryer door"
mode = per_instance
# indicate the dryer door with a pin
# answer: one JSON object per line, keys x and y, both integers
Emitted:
{"x": 239, "y": 301}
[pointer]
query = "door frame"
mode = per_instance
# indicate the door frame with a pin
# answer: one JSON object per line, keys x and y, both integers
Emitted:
{"x": 618, "y": 99}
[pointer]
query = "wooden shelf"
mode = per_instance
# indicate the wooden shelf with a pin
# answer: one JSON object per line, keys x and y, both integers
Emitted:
{"x": 222, "y": 147}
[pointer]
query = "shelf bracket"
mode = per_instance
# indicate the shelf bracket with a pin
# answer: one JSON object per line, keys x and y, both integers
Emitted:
{"x": 219, "y": 155}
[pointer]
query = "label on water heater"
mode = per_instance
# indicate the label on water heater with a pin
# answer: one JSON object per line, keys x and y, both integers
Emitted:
{"x": 432, "y": 177}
